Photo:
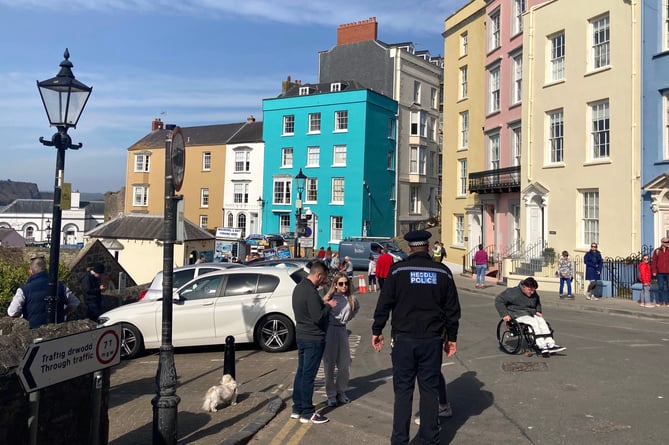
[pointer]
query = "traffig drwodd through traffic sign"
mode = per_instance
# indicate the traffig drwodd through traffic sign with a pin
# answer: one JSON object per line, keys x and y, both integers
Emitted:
{"x": 53, "y": 361}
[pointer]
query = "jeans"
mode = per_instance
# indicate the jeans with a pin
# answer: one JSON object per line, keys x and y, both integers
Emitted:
{"x": 568, "y": 281}
{"x": 480, "y": 273}
{"x": 416, "y": 358}
{"x": 309, "y": 354}
{"x": 663, "y": 288}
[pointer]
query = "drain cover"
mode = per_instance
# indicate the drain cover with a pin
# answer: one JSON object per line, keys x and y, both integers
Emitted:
{"x": 524, "y": 366}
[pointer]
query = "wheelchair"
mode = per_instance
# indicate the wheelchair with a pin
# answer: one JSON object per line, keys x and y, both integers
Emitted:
{"x": 514, "y": 336}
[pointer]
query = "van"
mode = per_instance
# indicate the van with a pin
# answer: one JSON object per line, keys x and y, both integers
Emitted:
{"x": 359, "y": 251}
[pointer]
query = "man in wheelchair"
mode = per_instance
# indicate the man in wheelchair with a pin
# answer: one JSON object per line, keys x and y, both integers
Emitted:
{"x": 522, "y": 304}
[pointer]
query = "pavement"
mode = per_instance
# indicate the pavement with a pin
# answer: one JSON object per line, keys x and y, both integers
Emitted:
{"x": 263, "y": 377}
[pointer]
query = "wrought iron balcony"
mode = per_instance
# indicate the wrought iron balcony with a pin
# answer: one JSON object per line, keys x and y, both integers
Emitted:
{"x": 503, "y": 180}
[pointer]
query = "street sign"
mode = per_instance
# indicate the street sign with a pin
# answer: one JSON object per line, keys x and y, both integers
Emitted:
{"x": 53, "y": 361}
{"x": 306, "y": 242}
{"x": 178, "y": 158}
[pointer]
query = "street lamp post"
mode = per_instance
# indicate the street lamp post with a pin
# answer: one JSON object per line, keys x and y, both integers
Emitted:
{"x": 64, "y": 99}
{"x": 261, "y": 206}
{"x": 300, "y": 179}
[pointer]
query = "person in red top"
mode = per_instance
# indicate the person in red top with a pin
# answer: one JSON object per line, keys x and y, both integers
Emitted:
{"x": 321, "y": 253}
{"x": 383, "y": 264}
{"x": 644, "y": 277}
{"x": 660, "y": 268}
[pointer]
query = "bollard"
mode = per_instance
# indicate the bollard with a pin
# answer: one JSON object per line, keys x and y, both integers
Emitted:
{"x": 229, "y": 358}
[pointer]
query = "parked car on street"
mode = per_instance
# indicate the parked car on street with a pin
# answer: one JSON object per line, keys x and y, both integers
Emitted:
{"x": 180, "y": 276}
{"x": 251, "y": 304}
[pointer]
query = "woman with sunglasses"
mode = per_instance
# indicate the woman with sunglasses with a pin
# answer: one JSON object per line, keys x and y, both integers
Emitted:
{"x": 337, "y": 352}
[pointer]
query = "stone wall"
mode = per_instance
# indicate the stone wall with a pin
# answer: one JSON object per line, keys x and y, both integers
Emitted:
{"x": 65, "y": 409}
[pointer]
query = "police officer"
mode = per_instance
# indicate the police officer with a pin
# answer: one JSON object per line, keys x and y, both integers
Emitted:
{"x": 423, "y": 299}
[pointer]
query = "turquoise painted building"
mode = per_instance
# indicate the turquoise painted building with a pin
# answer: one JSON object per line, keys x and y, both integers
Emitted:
{"x": 343, "y": 138}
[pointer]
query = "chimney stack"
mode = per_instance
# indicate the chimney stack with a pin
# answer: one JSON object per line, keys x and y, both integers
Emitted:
{"x": 357, "y": 31}
{"x": 157, "y": 124}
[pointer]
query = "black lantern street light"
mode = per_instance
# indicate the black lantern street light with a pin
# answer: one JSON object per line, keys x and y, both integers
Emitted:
{"x": 64, "y": 99}
{"x": 300, "y": 179}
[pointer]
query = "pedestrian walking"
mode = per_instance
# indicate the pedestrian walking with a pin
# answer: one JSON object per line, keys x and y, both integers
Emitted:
{"x": 566, "y": 272}
{"x": 383, "y": 264}
{"x": 423, "y": 300}
{"x": 93, "y": 288}
{"x": 337, "y": 350}
{"x": 645, "y": 278}
{"x": 311, "y": 318}
{"x": 593, "y": 272}
{"x": 31, "y": 300}
{"x": 660, "y": 270}
{"x": 481, "y": 264}
{"x": 371, "y": 273}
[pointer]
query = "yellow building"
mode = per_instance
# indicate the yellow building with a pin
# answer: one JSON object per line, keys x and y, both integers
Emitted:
{"x": 464, "y": 115}
{"x": 581, "y": 126}
{"x": 204, "y": 178}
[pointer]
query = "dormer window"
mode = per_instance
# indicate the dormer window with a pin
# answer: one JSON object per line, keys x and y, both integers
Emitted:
{"x": 304, "y": 91}
{"x": 335, "y": 86}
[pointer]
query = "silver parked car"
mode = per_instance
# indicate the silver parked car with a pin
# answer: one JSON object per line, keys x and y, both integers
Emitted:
{"x": 181, "y": 275}
{"x": 251, "y": 304}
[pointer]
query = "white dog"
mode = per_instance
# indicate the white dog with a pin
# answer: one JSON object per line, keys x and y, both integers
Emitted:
{"x": 223, "y": 393}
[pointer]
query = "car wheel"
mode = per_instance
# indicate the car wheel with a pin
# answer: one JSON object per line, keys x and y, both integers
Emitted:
{"x": 132, "y": 342}
{"x": 275, "y": 333}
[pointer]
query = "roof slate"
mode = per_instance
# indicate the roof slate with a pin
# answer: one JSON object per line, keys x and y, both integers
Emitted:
{"x": 144, "y": 227}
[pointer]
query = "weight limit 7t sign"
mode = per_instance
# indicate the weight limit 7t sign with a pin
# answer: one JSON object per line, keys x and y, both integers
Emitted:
{"x": 54, "y": 361}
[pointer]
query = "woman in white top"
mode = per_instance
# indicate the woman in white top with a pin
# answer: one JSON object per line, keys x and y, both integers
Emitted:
{"x": 337, "y": 352}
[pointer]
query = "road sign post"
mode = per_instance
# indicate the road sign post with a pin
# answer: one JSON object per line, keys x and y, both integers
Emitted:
{"x": 53, "y": 361}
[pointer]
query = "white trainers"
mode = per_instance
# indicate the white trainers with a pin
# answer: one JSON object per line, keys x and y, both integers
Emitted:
{"x": 315, "y": 418}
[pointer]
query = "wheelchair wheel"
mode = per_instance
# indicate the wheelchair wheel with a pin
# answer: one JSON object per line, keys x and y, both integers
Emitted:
{"x": 509, "y": 336}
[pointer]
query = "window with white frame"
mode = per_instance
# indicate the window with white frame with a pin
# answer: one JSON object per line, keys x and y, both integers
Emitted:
{"x": 140, "y": 195}
{"x": 431, "y": 125}
{"x": 142, "y": 162}
{"x": 516, "y": 144}
{"x": 557, "y": 57}
{"x": 462, "y": 177}
{"x": 393, "y": 195}
{"x": 281, "y": 190}
{"x": 665, "y": 124}
{"x": 311, "y": 186}
{"x": 206, "y": 161}
{"x": 313, "y": 156}
{"x": 555, "y": 137}
{"x": 336, "y": 228}
{"x": 339, "y": 155}
{"x": 284, "y": 223}
{"x": 463, "y": 82}
{"x": 432, "y": 164}
{"x": 418, "y": 123}
{"x": 464, "y": 129}
{"x": 231, "y": 220}
{"x": 414, "y": 199}
{"x": 494, "y": 40}
{"x": 314, "y": 122}
{"x": 391, "y": 160}
{"x": 242, "y": 161}
{"x": 392, "y": 129}
{"x": 341, "y": 120}
{"x": 600, "y": 139}
{"x": 204, "y": 220}
{"x": 493, "y": 90}
{"x": 464, "y": 44}
{"x": 30, "y": 230}
{"x": 601, "y": 40}
{"x": 287, "y": 157}
{"x": 204, "y": 197}
{"x": 241, "y": 193}
{"x": 335, "y": 87}
{"x": 518, "y": 10}
{"x": 434, "y": 98}
{"x": 289, "y": 124}
{"x": 589, "y": 216}
{"x": 416, "y": 91}
{"x": 337, "y": 191}
{"x": 517, "y": 73}
{"x": 493, "y": 151}
{"x": 459, "y": 235}
{"x": 304, "y": 91}
{"x": 417, "y": 160}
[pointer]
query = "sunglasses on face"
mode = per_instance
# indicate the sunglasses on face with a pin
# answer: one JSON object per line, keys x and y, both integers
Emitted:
{"x": 342, "y": 283}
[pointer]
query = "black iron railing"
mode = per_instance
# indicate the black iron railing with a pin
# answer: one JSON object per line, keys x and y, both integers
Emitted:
{"x": 495, "y": 181}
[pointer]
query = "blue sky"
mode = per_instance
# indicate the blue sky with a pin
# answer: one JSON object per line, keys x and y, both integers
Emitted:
{"x": 189, "y": 62}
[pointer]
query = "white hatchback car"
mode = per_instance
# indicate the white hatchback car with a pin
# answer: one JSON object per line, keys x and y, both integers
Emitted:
{"x": 250, "y": 304}
{"x": 180, "y": 276}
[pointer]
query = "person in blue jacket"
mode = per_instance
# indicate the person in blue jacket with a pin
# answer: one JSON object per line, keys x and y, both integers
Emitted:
{"x": 593, "y": 272}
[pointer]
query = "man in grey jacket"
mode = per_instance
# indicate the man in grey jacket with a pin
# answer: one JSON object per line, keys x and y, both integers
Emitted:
{"x": 311, "y": 317}
{"x": 522, "y": 303}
